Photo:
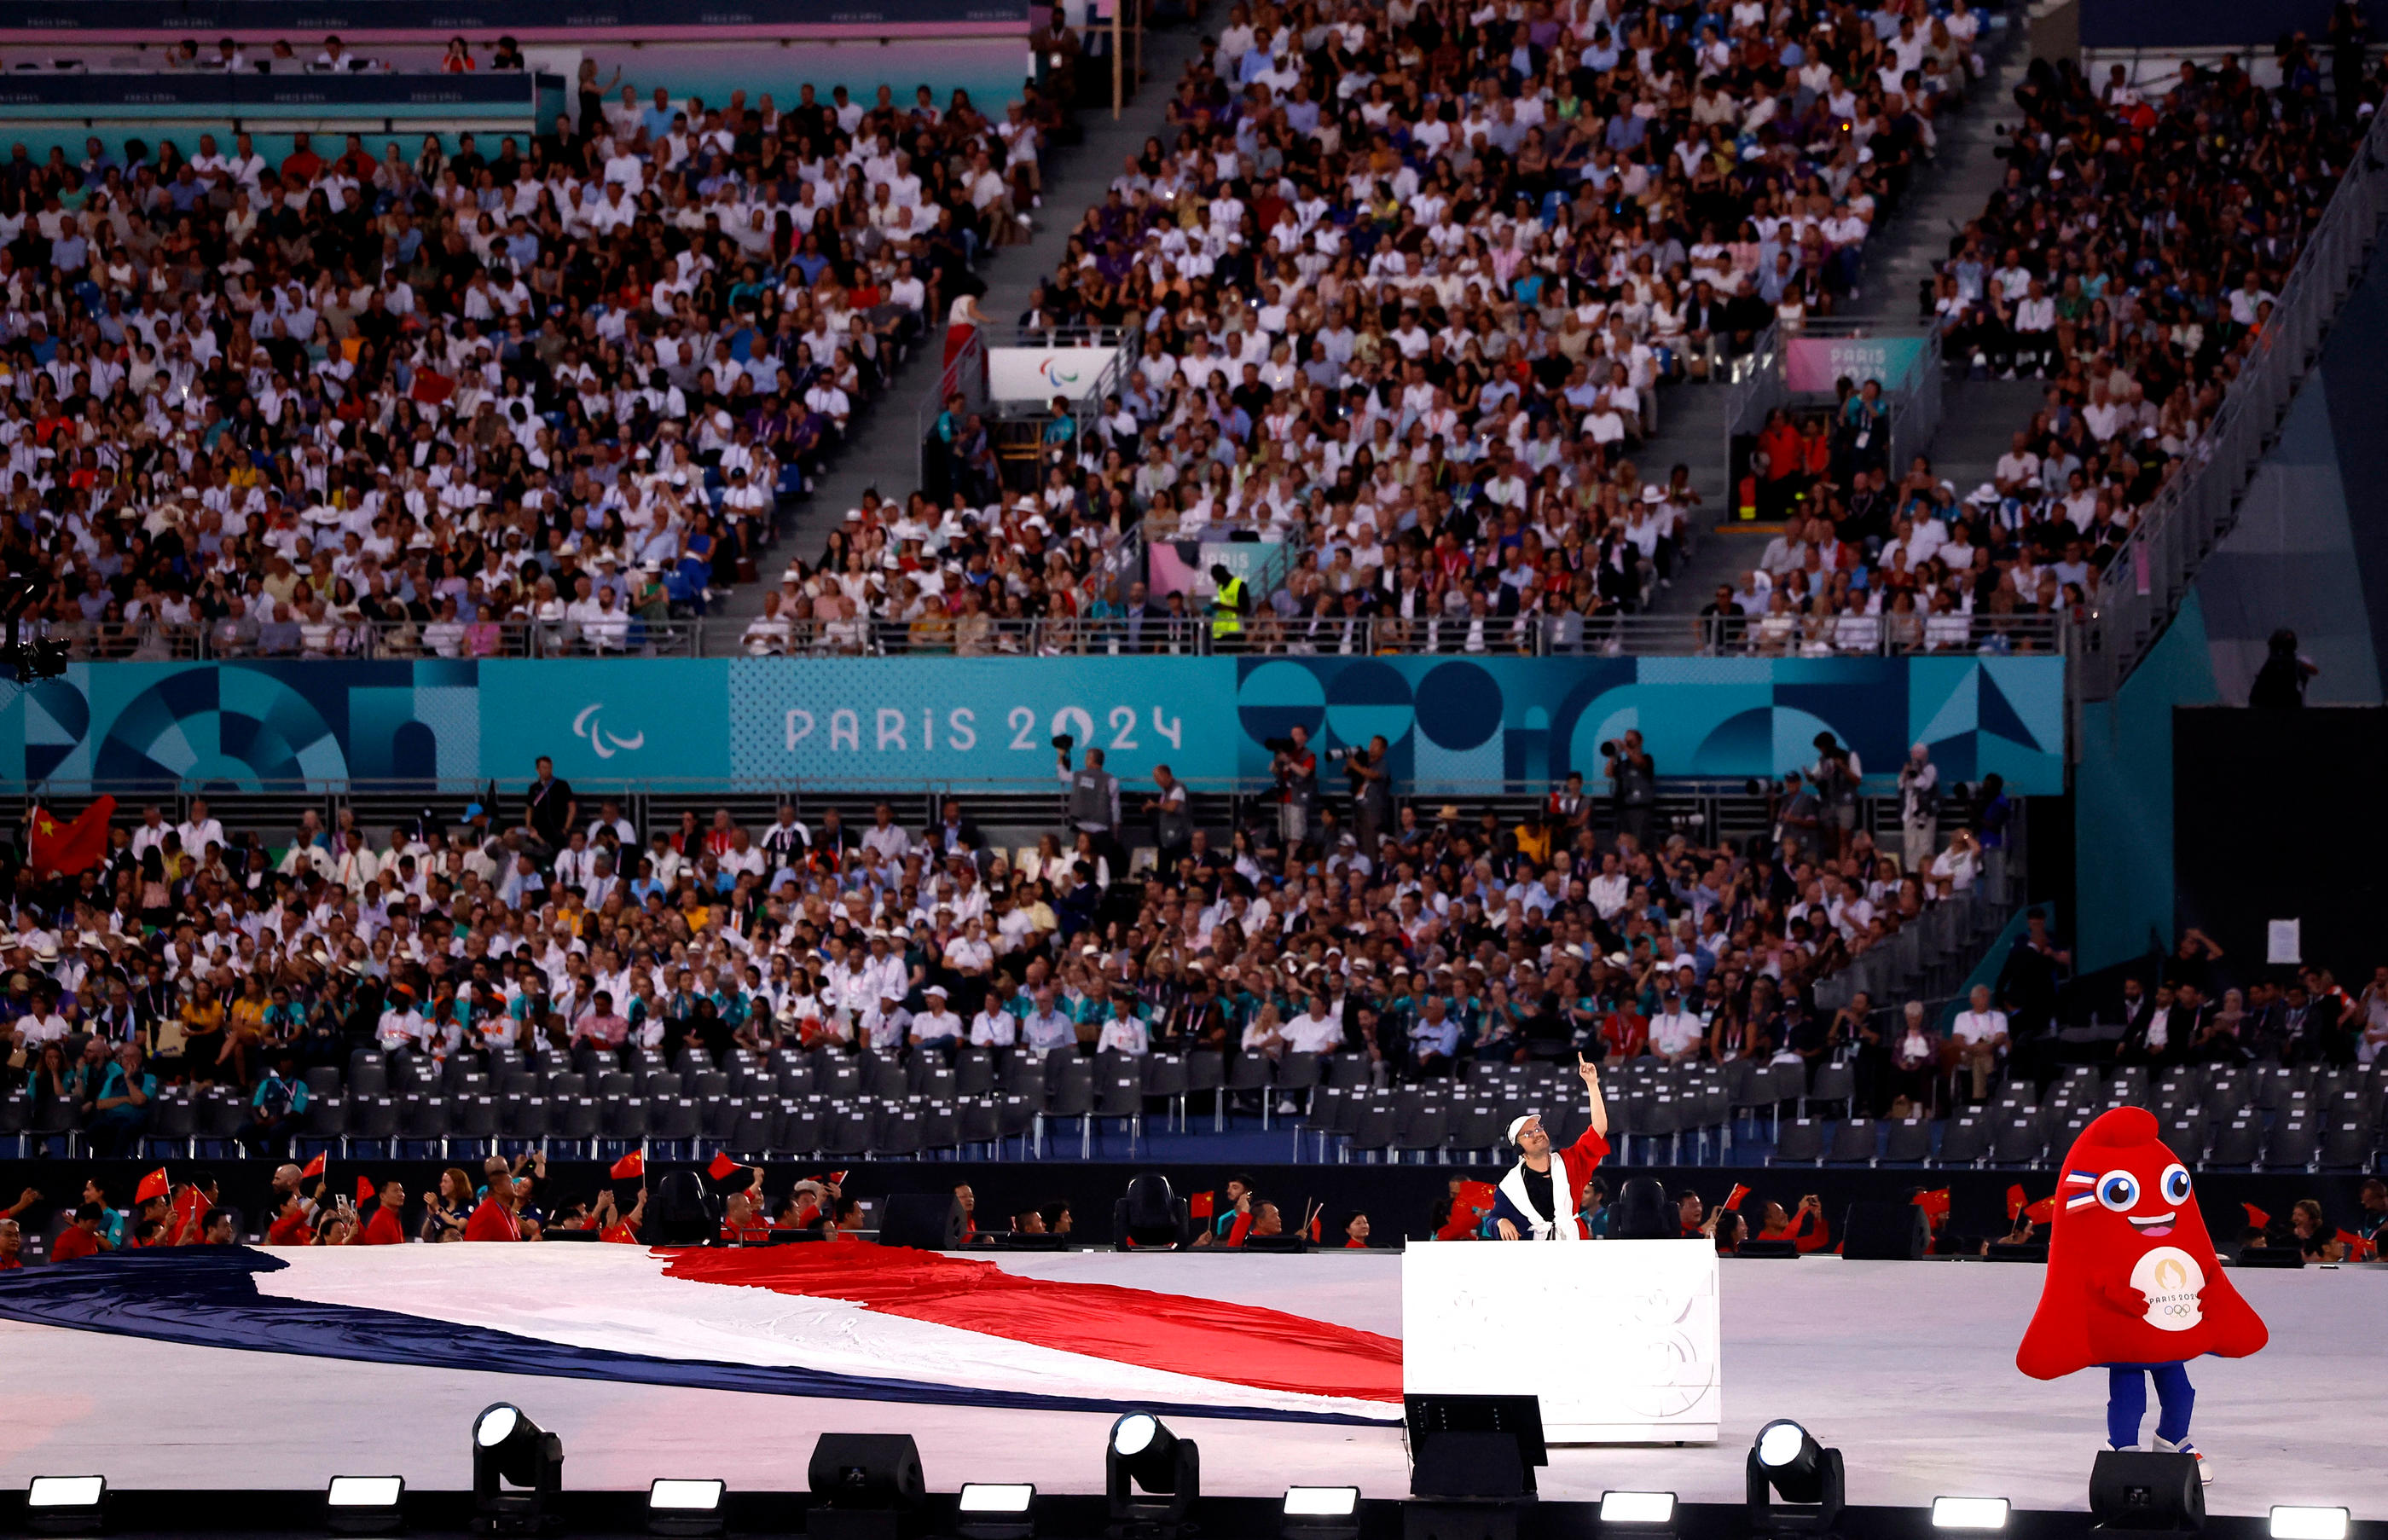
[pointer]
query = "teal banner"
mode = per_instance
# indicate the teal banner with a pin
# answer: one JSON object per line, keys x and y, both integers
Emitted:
{"x": 1451, "y": 723}
{"x": 1455, "y": 723}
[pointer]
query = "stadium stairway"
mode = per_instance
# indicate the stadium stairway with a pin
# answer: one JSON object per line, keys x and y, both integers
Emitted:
{"x": 886, "y": 456}
{"x": 1975, "y": 416}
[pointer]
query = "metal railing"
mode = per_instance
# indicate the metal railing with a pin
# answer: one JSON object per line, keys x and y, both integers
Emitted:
{"x": 2143, "y": 585}
{"x": 1753, "y": 388}
{"x": 625, "y": 637}
{"x": 965, "y": 372}
{"x": 1269, "y": 634}
{"x": 1931, "y": 957}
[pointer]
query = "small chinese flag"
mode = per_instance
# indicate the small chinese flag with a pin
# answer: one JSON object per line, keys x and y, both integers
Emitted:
{"x": 154, "y": 1185}
{"x": 1732, "y": 1199}
{"x": 1934, "y": 1205}
{"x": 2042, "y": 1212}
{"x": 1202, "y": 1205}
{"x": 314, "y": 1168}
{"x": 631, "y": 1167}
{"x": 1315, "y": 1221}
{"x": 365, "y": 1189}
{"x": 2257, "y": 1217}
{"x": 2015, "y": 1200}
{"x": 2358, "y": 1248}
{"x": 722, "y": 1168}
{"x": 431, "y": 389}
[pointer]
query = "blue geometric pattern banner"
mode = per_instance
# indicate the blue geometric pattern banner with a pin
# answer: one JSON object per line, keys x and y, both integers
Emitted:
{"x": 905, "y": 722}
{"x": 1528, "y": 721}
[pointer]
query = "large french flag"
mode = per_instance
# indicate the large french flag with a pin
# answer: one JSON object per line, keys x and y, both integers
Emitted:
{"x": 845, "y": 1320}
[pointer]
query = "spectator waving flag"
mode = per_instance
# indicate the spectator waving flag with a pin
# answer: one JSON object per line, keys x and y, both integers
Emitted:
{"x": 71, "y": 847}
{"x": 314, "y": 1167}
{"x": 631, "y": 1167}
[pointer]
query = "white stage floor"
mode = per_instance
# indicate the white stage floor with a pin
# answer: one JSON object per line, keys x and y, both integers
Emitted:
{"x": 1908, "y": 1368}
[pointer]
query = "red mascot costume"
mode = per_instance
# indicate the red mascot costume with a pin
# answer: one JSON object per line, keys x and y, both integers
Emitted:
{"x": 2133, "y": 1285}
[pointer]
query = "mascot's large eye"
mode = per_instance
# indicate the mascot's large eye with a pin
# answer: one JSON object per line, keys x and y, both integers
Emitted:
{"x": 2118, "y": 1189}
{"x": 2176, "y": 1184}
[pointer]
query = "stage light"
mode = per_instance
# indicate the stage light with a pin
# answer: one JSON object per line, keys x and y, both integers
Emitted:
{"x": 1320, "y": 1513}
{"x": 1787, "y": 1462}
{"x": 678, "y": 1506}
{"x": 509, "y": 1449}
{"x": 1144, "y": 1455}
{"x": 2309, "y": 1523}
{"x": 2135, "y": 1490}
{"x": 997, "y": 1510}
{"x": 1638, "y": 1509}
{"x": 1969, "y": 1513}
{"x": 364, "y": 1504}
{"x": 65, "y": 1505}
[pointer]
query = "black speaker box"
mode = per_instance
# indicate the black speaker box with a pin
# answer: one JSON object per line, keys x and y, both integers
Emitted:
{"x": 929, "y": 1221}
{"x": 1885, "y": 1233}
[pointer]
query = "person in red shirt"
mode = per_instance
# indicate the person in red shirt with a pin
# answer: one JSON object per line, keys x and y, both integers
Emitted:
{"x": 1541, "y": 1198}
{"x": 494, "y": 1219}
{"x": 742, "y": 1221}
{"x": 291, "y": 1226}
{"x": 188, "y": 1213}
{"x": 1805, "y": 1229}
{"x": 12, "y": 1245}
{"x": 384, "y": 1228}
{"x": 1355, "y": 1234}
{"x": 622, "y": 1229}
{"x": 82, "y": 1238}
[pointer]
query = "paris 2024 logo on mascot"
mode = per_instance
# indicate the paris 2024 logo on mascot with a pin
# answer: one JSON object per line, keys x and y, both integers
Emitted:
{"x": 2133, "y": 1286}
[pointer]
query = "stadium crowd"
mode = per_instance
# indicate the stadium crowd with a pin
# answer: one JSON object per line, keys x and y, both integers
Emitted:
{"x": 2132, "y": 258}
{"x": 1409, "y": 281}
{"x": 1408, "y": 937}
{"x": 464, "y": 399}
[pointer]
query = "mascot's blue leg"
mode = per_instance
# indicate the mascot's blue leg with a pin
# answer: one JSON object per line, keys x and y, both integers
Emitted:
{"x": 2176, "y": 1397}
{"x": 2127, "y": 1403}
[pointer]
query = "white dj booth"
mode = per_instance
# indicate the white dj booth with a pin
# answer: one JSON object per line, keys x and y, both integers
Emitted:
{"x": 1619, "y": 1339}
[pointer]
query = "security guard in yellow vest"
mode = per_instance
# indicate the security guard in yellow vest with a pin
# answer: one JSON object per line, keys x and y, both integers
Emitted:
{"x": 1226, "y": 606}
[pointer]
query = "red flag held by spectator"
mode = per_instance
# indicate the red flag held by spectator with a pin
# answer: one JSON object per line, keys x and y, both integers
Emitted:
{"x": 314, "y": 1168}
{"x": 2257, "y": 1217}
{"x": 365, "y": 1189}
{"x": 431, "y": 389}
{"x": 1732, "y": 1199}
{"x": 722, "y": 1168}
{"x": 2043, "y": 1212}
{"x": 69, "y": 848}
{"x": 1202, "y": 1205}
{"x": 1934, "y": 1205}
{"x": 1469, "y": 1207}
{"x": 154, "y": 1185}
{"x": 631, "y": 1167}
{"x": 2358, "y": 1248}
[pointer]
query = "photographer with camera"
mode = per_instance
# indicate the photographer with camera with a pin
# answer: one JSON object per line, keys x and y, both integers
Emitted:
{"x": 1837, "y": 776}
{"x": 1634, "y": 779}
{"x": 1372, "y": 792}
{"x": 1919, "y": 808}
{"x": 1296, "y": 769}
{"x": 1092, "y": 805}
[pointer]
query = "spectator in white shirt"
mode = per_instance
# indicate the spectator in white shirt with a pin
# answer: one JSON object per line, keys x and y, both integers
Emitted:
{"x": 1675, "y": 1033}
{"x": 1977, "y": 1039}
{"x": 937, "y": 1028}
{"x": 198, "y": 831}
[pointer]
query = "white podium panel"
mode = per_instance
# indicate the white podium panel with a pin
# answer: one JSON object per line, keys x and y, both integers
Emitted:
{"x": 1619, "y": 1338}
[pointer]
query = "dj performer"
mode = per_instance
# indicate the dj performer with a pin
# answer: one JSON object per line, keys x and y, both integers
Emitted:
{"x": 1539, "y": 1200}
